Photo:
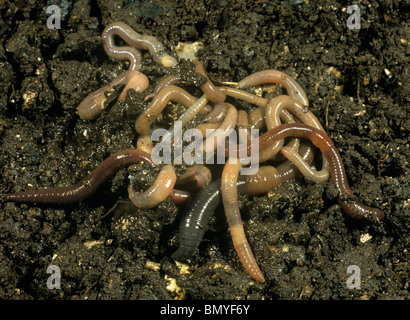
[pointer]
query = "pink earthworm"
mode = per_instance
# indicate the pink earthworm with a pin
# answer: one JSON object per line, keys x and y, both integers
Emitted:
{"x": 274, "y": 76}
{"x": 245, "y": 96}
{"x": 92, "y": 106}
{"x": 157, "y": 192}
{"x": 157, "y": 105}
{"x": 230, "y": 201}
{"x": 217, "y": 114}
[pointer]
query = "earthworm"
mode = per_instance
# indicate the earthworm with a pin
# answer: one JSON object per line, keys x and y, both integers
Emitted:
{"x": 135, "y": 40}
{"x": 242, "y": 119}
{"x": 195, "y": 219}
{"x": 182, "y": 121}
{"x": 274, "y": 76}
{"x": 164, "y": 82}
{"x": 180, "y": 197}
{"x": 158, "y": 103}
{"x": 137, "y": 81}
{"x": 242, "y": 124}
{"x": 207, "y": 129}
{"x": 272, "y": 118}
{"x": 266, "y": 154}
{"x": 87, "y": 186}
{"x": 172, "y": 79}
{"x": 284, "y": 102}
{"x": 307, "y": 171}
{"x": 217, "y": 114}
{"x": 256, "y": 118}
{"x": 209, "y": 89}
{"x": 267, "y": 178}
{"x": 193, "y": 110}
{"x": 123, "y": 53}
{"x": 288, "y": 170}
{"x": 245, "y": 96}
{"x": 350, "y": 204}
{"x": 157, "y": 192}
{"x": 92, "y": 106}
{"x": 230, "y": 201}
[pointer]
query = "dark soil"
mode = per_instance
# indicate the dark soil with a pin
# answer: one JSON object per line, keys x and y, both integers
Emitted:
{"x": 357, "y": 84}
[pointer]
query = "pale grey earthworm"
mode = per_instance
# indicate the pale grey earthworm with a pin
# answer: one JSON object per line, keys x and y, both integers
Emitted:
{"x": 135, "y": 40}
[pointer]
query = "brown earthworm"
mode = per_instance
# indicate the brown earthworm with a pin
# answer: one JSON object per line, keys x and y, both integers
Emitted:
{"x": 211, "y": 92}
{"x": 92, "y": 106}
{"x": 157, "y": 192}
{"x": 272, "y": 118}
{"x": 87, "y": 186}
{"x": 350, "y": 204}
{"x": 180, "y": 197}
{"x": 158, "y": 103}
{"x": 230, "y": 201}
{"x": 274, "y": 76}
{"x": 135, "y": 40}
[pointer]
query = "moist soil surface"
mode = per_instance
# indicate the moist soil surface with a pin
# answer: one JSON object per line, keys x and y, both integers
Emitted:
{"x": 105, "y": 248}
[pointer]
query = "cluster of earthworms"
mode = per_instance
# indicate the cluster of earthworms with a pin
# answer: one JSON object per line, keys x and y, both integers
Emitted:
{"x": 285, "y": 116}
